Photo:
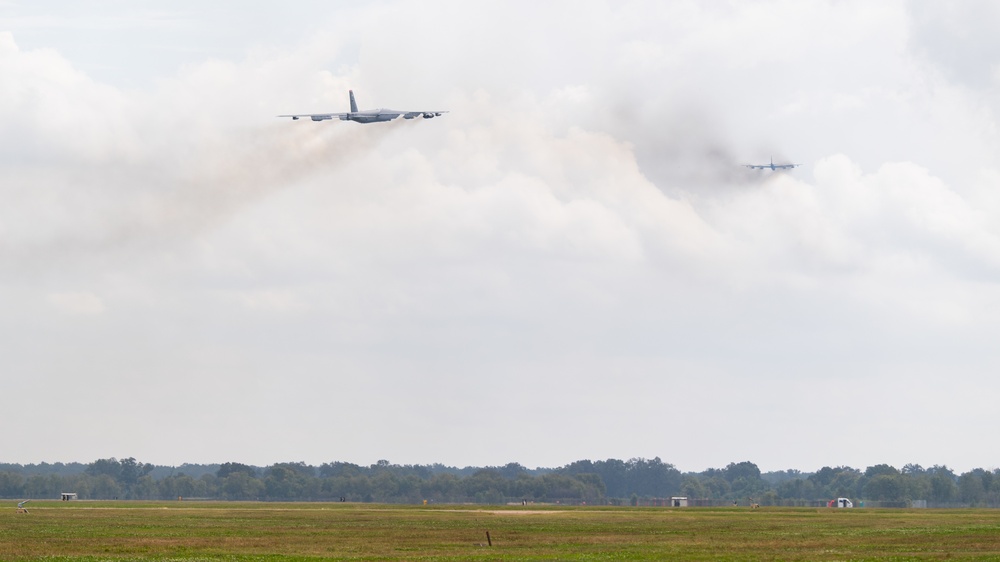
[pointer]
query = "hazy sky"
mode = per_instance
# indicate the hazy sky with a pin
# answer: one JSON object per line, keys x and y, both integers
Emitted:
{"x": 570, "y": 264}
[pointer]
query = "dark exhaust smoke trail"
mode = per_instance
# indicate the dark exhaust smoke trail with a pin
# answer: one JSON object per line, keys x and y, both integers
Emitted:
{"x": 130, "y": 205}
{"x": 679, "y": 146}
{"x": 267, "y": 160}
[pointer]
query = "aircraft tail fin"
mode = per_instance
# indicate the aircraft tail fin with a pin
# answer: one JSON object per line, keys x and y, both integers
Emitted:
{"x": 354, "y": 104}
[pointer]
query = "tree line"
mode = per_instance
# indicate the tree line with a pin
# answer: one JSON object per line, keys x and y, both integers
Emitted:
{"x": 594, "y": 482}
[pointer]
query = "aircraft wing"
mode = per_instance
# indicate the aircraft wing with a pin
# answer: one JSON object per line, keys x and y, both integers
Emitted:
{"x": 317, "y": 116}
{"x": 771, "y": 166}
{"x": 424, "y": 114}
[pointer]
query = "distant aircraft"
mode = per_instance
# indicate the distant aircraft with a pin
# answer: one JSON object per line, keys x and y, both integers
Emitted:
{"x": 772, "y": 166}
{"x": 367, "y": 116}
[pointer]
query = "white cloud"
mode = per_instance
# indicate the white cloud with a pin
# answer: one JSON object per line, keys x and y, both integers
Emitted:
{"x": 958, "y": 38}
{"x": 574, "y": 241}
{"x": 76, "y": 303}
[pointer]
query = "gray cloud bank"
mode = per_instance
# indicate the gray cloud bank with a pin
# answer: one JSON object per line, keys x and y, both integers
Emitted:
{"x": 570, "y": 264}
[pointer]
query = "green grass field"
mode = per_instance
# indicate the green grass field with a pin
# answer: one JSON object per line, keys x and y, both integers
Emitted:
{"x": 300, "y": 531}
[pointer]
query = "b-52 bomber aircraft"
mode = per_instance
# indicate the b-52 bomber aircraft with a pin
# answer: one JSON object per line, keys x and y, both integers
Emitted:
{"x": 772, "y": 166}
{"x": 367, "y": 116}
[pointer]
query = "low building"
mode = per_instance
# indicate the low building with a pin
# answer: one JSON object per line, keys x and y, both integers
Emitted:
{"x": 678, "y": 501}
{"x": 69, "y": 496}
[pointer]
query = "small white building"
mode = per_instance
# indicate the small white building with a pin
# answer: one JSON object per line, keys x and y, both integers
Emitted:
{"x": 844, "y": 502}
{"x": 678, "y": 501}
{"x": 68, "y": 496}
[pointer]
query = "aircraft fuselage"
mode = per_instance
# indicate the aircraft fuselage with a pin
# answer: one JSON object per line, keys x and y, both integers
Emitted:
{"x": 366, "y": 116}
{"x": 369, "y": 116}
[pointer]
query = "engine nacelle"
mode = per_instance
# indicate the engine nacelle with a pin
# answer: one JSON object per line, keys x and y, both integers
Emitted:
{"x": 345, "y": 117}
{"x": 320, "y": 117}
{"x": 429, "y": 115}
{"x": 294, "y": 118}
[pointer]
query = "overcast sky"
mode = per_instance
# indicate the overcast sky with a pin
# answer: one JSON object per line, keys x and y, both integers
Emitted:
{"x": 571, "y": 264}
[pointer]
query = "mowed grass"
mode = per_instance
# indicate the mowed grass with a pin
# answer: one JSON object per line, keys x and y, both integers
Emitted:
{"x": 309, "y": 531}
